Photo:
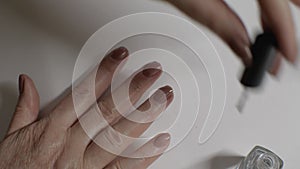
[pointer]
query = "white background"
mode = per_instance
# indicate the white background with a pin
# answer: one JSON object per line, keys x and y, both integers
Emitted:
{"x": 43, "y": 39}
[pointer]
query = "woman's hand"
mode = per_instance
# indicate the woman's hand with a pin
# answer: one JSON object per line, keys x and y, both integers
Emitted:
{"x": 59, "y": 141}
{"x": 216, "y": 15}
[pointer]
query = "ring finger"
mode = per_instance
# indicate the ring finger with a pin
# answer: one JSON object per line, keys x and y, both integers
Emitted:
{"x": 112, "y": 141}
{"x": 94, "y": 121}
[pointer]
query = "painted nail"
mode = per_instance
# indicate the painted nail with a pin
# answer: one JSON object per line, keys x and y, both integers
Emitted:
{"x": 162, "y": 140}
{"x": 21, "y": 84}
{"x": 241, "y": 45}
{"x": 119, "y": 53}
{"x": 163, "y": 94}
{"x": 275, "y": 67}
{"x": 248, "y": 56}
{"x": 152, "y": 69}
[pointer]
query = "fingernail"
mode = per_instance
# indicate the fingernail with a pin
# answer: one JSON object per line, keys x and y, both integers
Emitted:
{"x": 293, "y": 61}
{"x": 21, "y": 84}
{"x": 275, "y": 66}
{"x": 247, "y": 59}
{"x": 119, "y": 53}
{"x": 291, "y": 53}
{"x": 241, "y": 45}
{"x": 165, "y": 96}
{"x": 152, "y": 69}
{"x": 162, "y": 141}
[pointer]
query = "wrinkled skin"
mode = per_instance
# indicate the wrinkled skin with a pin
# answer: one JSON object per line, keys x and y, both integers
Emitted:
{"x": 58, "y": 140}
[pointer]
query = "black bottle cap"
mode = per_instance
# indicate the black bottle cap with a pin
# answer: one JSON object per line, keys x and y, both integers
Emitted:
{"x": 264, "y": 53}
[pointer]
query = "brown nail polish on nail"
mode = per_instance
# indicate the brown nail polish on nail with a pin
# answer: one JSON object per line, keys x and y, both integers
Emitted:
{"x": 152, "y": 69}
{"x": 21, "y": 84}
{"x": 151, "y": 72}
{"x": 165, "y": 96}
{"x": 248, "y": 58}
{"x": 162, "y": 140}
{"x": 119, "y": 53}
{"x": 241, "y": 45}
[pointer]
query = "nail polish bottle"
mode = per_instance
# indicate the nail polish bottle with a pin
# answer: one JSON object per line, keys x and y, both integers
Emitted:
{"x": 261, "y": 158}
{"x": 264, "y": 52}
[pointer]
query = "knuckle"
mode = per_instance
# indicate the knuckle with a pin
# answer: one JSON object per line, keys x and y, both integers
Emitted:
{"x": 136, "y": 85}
{"x": 53, "y": 131}
{"x": 52, "y": 124}
{"x": 106, "y": 110}
{"x": 19, "y": 109}
{"x": 113, "y": 140}
{"x": 83, "y": 91}
{"x": 37, "y": 131}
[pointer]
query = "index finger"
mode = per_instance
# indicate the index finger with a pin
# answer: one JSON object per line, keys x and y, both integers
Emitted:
{"x": 64, "y": 114}
{"x": 276, "y": 17}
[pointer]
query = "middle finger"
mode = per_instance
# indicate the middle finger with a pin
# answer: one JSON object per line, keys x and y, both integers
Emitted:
{"x": 112, "y": 141}
{"x": 94, "y": 122}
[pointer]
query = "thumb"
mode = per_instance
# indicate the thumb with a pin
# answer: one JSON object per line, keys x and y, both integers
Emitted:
{"x": 296, "y": 2}
{"x": 221, "y": 19}
{"x": 27, "y": 108}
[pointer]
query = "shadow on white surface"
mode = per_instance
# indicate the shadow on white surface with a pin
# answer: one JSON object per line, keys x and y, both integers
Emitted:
{"x": 224, "y": 162}
{"x": 220, "y": 161}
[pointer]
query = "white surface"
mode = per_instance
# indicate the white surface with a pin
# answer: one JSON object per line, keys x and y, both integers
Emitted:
{"x": 43, "y": 39}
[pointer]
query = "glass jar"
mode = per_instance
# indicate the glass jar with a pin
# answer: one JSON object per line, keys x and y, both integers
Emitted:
{"x": 261, "y": 158}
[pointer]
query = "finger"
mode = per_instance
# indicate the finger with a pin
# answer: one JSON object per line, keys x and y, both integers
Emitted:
{"x": 113, "y": 140}
{"x": 115, "y": 105}
{"x": 296, "y": 2}
{"x": 27, "y": 108}
{"x": 93, "y": 123}
{"x": 217, "y": 16}
{"x": 274, "y": 70}
{"x": 155, "y": 146}
{"x": 277, "y": 18}
{"x": 64, "y": 114}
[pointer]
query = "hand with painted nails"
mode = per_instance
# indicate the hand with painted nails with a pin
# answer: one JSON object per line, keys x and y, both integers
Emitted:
{"x": 217, "y": 15}
{"x": 60, "y": 140}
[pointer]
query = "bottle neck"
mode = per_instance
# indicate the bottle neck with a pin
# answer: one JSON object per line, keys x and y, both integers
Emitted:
{"x": 267, "y": 161}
